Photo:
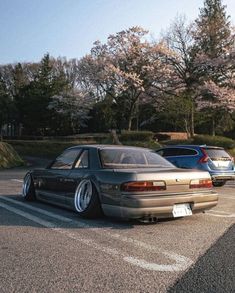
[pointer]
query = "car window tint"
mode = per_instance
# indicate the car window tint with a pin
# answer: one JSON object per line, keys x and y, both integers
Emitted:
{"x": 131, "y": 158}
{"x": 83, "y": 161}
{"x": 170, "y": 152}
{"x": 217, "y": 153}
{"x": 186, "y": 152}
{"x": 66, "y": 160}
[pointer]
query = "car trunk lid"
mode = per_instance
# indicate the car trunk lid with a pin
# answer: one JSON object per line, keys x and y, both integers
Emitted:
{"x": 176, "y": 180}
{"x": 219, "y": 159}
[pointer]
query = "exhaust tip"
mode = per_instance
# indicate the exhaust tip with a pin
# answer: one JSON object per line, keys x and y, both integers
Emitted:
{"x": 149, "y": 220}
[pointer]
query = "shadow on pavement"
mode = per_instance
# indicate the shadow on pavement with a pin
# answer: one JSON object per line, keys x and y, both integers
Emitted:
{"x": 101, "y": 222}
{"x": 77, "y": 222}
{"x": 214, "y": 272}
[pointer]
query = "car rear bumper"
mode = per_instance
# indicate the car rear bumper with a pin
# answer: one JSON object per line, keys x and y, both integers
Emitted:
{"x": 225, "y": 176}
{"x": 161, "y": 206}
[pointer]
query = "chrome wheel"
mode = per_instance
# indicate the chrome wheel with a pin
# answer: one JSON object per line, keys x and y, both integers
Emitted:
{"x": 83, "y": 195}
{"x": 26, "y": 185}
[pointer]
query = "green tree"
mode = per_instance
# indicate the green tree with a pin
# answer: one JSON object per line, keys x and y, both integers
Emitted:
{"x": 6, "y": 106}
{"x": 33, "y": 95}
{"x": 214, "y": 50}
{"x": 213, "y": 35}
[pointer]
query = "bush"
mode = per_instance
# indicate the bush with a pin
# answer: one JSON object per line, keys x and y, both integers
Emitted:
{"x": 141, "y": 136}
{"x": 219, "y": 141}
{"x": 43, "y": 149}
{"x": 148, "y": 144}
{"x": 178, "y": 141}
{"x": 8, "y": 156}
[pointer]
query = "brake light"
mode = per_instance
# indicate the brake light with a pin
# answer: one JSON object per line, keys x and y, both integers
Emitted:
{"x": 200, "y": 183}
{"x": 204, "y": 158}
{"x": 138, "y": 186}
{"x": 232, "y": 158}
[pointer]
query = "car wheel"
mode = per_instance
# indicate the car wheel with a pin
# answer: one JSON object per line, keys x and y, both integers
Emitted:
{"x": 28, "y": 191}
{"x": 218, "y": 183}
{"x": 86, "y": 200}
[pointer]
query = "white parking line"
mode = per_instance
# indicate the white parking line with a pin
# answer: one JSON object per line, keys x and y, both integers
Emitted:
{"x": 228, "y": 197}
{"x": 17, "y": 180}
{"x": 180, "y": 263}
{"x": 220, "y": 214}
{"x": 41, "y": 211}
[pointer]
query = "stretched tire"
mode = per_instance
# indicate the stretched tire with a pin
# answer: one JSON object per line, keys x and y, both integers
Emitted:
{"x": 28, "y": 191}
{"x": 86, "y": 200}
{"x": 218, "y": 183}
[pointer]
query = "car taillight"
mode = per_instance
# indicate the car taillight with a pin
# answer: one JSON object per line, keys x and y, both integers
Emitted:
{"x": 204, "y": 158}
{"x": 143, "y": 186}
{"x": 200, "y": 183}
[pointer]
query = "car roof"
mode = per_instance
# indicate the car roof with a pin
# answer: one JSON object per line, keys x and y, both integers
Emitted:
{"x": 107, "y": 146}
{"x": 192, "y": 146}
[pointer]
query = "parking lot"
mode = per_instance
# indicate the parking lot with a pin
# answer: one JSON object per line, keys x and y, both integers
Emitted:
{"x": 48, "y": 249}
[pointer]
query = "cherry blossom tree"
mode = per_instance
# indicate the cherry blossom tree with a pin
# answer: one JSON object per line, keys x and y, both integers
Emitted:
{"x": 73, "y": 104}
{"x": 129, "y": 69}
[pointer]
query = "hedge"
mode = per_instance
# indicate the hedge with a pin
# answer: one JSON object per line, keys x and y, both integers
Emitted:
{"x": 141, "y": 136}
{"x": 219, "y": 141}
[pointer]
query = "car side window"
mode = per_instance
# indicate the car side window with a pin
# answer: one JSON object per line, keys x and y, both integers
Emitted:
{"x": 170, "y": 152}
{"x": 187, "y": 152}
{"x": 66, "y": 159}
{"x": 83, "y": 160}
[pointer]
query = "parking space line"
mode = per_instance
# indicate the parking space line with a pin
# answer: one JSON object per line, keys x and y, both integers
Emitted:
{"x": 180, "y": 262}
{"x": 227, "y": 197}
{"x": 218, "y": 211}
{"x": 220, "y": 214}
{"x": 17, "y": 180}
{"x": 41, "y": 211}
{"x": 27, "y": 216}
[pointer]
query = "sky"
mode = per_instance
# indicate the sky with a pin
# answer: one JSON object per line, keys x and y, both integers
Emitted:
{"x": 68, "y": 28}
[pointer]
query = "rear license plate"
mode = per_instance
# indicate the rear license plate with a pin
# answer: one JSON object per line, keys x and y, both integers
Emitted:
{"x": 182, "y": 210}
{"x": 221, "y": 164}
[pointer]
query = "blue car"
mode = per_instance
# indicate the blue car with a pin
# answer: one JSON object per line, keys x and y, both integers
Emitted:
{"x": 215, "y": 160}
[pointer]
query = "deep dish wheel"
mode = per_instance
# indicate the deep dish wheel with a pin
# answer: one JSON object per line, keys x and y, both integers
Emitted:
{"x": 28, "y": 191}
{"x": 86, "y": 200}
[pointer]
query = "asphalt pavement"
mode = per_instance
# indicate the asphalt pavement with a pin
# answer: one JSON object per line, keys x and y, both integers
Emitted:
{"x": 44, "y": 248}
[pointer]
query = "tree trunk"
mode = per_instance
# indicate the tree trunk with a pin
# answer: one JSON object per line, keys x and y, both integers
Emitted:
{"x": 137, "y": 115}
{"x": 115, "y": 137}
{"x": 192, "y": 121}
{"x": 213, "y": 125}
{"x": 129, "y": 122}
{"x": 187, "y": 128}
{"x": 130, "y": 118}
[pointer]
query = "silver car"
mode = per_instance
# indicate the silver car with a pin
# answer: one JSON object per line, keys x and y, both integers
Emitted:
{"x": 120, "y": 181}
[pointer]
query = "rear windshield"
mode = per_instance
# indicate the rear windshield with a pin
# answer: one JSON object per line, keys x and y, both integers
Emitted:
{"x": 132, "y": 158}
{"x": 217, "y": 153}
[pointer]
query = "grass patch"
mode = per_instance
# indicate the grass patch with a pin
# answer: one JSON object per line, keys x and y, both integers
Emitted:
{"x": 9, "y": 157}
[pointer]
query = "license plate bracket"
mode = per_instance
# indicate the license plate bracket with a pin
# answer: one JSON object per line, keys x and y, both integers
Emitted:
{"x": 182, "y": 210}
